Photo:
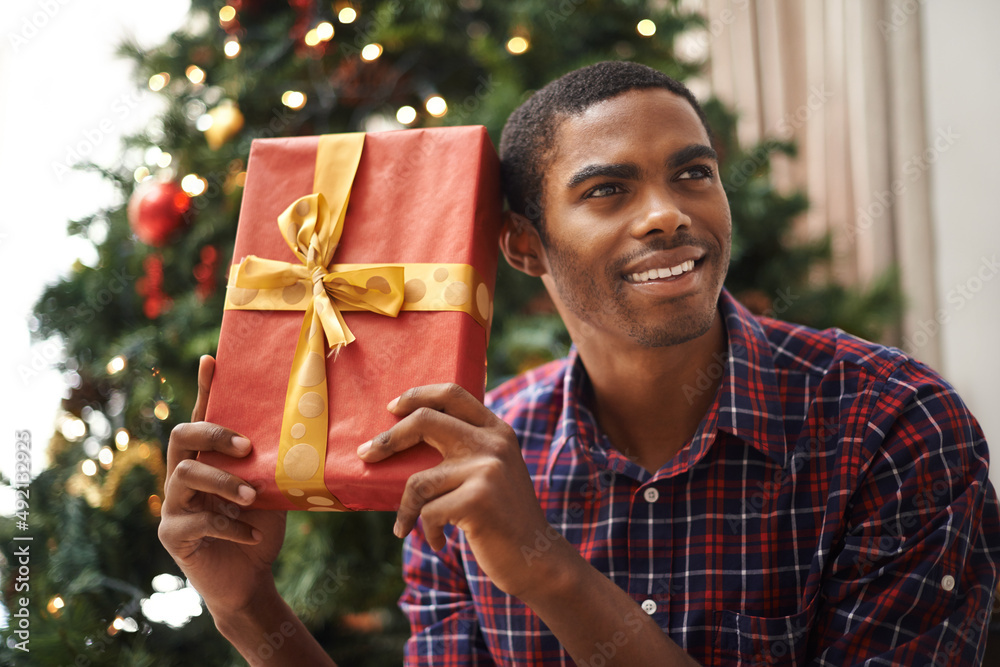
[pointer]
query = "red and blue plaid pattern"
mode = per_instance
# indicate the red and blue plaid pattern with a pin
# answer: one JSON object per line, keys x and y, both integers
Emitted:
{"x": 833, "y": 508}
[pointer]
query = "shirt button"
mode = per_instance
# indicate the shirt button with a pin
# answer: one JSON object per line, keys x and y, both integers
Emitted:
{"x": 649, "y": 606}
{"x": 651, "y": 494}
{"x": 948, "y": 582}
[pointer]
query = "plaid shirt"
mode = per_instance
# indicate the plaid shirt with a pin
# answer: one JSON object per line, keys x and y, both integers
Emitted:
{"x": 833, "y": 508}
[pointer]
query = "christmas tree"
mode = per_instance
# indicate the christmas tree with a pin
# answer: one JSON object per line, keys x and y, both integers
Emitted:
{"x": 136, "y": 323}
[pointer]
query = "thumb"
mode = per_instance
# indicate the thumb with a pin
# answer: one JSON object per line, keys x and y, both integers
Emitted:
{"x": 206, "y": 369}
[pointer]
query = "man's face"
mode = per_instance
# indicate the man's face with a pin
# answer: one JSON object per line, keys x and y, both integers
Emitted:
{"x": 632, "y": 194}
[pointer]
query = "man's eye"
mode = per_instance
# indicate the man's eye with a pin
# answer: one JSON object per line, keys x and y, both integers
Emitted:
{"x": 697, "y": 172}
{"x": 604, "y": 190}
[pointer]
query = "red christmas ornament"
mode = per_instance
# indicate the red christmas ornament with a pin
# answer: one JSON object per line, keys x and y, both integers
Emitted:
{"x": 150, "y": 286}
{"x": 204, "y": 272}
{"x": 156, "y": 210}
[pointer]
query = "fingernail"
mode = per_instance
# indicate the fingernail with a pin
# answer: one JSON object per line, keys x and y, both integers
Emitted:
{"x": 392, "y": 404}
{"x": 241, "y": 443}
{"x": 363, "y": 449}
{"x": 247, "y": 493}
{"x": 255, "y": 534}
{"x": 397, "y": 530}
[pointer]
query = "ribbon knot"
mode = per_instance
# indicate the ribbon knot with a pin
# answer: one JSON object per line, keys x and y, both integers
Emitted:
{"x": 312, "y": 233}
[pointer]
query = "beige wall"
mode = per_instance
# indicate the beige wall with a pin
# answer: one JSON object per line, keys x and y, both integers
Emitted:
{"x": 962, "y": 87}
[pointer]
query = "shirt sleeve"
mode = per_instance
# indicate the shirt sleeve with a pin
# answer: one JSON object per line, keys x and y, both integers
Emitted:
{"x": 913, "y": 579}
{"x": 445, "y": 629}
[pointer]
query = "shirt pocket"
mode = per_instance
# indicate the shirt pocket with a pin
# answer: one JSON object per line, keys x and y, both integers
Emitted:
{"x": 759, "y": 641}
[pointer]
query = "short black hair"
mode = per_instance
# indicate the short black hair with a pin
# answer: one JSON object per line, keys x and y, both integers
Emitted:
{"x": 528, "y": 137}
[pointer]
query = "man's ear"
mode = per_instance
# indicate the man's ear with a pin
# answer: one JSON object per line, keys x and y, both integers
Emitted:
{"x": 522, "y": 246}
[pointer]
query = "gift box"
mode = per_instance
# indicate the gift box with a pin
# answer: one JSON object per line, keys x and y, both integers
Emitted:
{"x": 364, "y": 265}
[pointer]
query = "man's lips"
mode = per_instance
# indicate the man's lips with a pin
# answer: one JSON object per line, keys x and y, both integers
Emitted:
{"x": 663, "y": 265}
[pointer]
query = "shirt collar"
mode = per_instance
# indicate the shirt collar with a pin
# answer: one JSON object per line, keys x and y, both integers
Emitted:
{"x": 746, "y": 405}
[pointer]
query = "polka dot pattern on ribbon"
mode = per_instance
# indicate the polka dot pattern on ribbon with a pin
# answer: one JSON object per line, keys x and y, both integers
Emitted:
{"x": 428, "y": 287}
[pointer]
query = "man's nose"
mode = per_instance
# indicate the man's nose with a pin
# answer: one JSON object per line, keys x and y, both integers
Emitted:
{"x": 659, "y": 212}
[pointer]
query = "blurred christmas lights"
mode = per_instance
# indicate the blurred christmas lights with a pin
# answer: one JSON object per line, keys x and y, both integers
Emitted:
{"x": 436, "y": 106}
{"x": 406, "y": 115}
{"x": 371, "y": 52}
{"x": 517, "y": 45}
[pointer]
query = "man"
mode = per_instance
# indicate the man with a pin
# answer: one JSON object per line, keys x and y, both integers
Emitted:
{"x": 825, "y": 502}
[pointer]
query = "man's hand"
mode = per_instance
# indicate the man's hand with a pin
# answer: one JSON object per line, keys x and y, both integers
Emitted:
{"x": 482, "y": 486}
{"x": 225, "y": 550}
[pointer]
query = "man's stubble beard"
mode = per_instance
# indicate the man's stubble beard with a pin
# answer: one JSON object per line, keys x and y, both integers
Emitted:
{"x": 675, "y": 329}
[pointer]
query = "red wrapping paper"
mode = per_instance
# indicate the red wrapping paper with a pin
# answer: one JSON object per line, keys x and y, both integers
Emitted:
{"x": 419, "y": 196}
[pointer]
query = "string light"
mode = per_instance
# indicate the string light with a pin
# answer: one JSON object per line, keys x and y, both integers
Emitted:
{"x": 140, "y": 174}
{"x": 193, "y": 184}
{"x": 312, "y": 38}
{"x": 163, "y": 161}
{"x": 371, "y": 52}
{"x": 517, "y": 45}
{"x": 232, "y": 47}
{"x": 105, "y": 457}
{"x": 158, "y": 81}
{"x": 406, "y": 115}
{"x": 88, "y": 468}
{"x": 436, "y": 106}
{"x": 293, "y": 99}
{"x": 204, "y": 122}
{"x": 144, "y": 451}
{"x": 347, "y": 15}
{"x": 55, "y": 605}
{"x": 154, "y": 504}
{"x": 324, "y": 31}
{"x": 121, "y": 439}
{"x": 73, "y": 428}
{"x": 116, "y": 365}
{"x": 227, "y": 14}
{"x": 646, "y": 28}
{"x": 162, "y": 410}
{"x": 195, "y": 74}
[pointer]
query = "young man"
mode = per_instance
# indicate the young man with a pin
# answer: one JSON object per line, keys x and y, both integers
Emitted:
{"x": 825, "y": 501}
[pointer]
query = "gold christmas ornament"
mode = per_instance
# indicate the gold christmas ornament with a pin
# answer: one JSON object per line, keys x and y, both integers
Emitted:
{"x": 150, "y": 458}
{"x": 227, "y": 121}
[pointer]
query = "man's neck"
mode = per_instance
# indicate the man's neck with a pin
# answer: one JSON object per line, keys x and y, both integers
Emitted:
{"x": 649, "y": 401}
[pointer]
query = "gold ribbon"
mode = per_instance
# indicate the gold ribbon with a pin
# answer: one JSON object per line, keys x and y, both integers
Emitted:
{"x": 312, "y": 226}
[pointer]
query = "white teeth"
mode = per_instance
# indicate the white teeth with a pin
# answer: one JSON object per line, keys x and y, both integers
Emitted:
{"x": 653, "y": 274}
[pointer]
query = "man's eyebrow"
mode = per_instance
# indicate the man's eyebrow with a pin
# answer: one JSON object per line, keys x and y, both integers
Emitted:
{"x": 626, "y": 170}
{"x": 689, "y": 153}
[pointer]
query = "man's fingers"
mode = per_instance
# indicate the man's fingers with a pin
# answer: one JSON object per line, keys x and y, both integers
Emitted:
{"x": 182, "y": 535}
{"x": 437, "y": 514}
{"x": 206, "y": 369}
{"x": 191, "y": 476}
{"x": 423, "y": 487}
{"x": 450, "y": 399}
{"x": 186, "y": 440}
{"x": 441, "y": 431}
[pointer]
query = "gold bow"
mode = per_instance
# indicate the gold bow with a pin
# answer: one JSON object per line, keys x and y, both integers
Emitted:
{"x": 312, "y": 234}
